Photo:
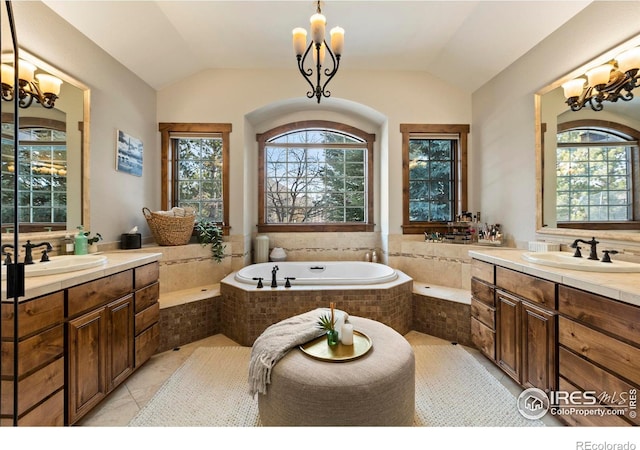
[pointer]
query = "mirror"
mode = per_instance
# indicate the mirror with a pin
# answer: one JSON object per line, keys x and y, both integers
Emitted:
{"x": 553, "y": 115}
{"x": 54, "y": 154}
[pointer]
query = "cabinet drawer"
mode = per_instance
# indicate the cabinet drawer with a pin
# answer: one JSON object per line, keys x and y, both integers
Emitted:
{"x": 611, "y": 316}
{"x": 147, "y": 344}
{"x": 49, "y": 413}
{"x": 587, "y": 420}
{"x": 147, "y": 318}
{"x": 483, "y": 292}
{"x": 147, "y": 274}
{"x": 147, "y": 296}
{"x": 608, "y": 388}
{"x": 483, "y": 271}
{"x": 483, "y": 313}
{"x": 90, "y": 295}
{"x": 617, "y": 356}
{"x": 33, "y": 388}
{"x": 484, "y": 338}
{"x": 33, "y": 352}
{"x": 33, "y": 315}
{"x": 526, "y": 286}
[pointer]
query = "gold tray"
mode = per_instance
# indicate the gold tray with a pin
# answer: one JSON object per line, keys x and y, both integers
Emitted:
{"x": 319, "y": 348}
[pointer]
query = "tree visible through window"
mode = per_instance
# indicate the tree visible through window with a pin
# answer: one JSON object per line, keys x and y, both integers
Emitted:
{"x": 195, "y": 169}
{"x": 315, "y": 174}
{"x": 434, "y": 175}
{"x": 42, "y": 175}
{"x": 594, "y": 176}
{"x": 199, "y": 176}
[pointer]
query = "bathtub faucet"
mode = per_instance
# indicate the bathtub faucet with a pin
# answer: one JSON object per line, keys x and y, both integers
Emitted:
{"x": 274, "y": 283}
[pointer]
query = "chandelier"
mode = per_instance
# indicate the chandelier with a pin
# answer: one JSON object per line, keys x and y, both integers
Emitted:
{"x": 319, "y": 50}
{"x": 44, "y": 88}
{"x": 609, "y": 82}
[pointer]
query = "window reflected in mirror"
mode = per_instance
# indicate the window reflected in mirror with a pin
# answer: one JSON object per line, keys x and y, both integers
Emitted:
{"x": 594, "y": 167}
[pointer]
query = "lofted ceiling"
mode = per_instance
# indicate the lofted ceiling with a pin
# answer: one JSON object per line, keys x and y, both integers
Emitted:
{"x": 464, "y": 42}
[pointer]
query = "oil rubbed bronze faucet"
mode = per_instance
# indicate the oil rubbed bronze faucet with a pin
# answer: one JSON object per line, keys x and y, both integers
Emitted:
{"x": 592, "y": 254}
{"x": 28, "y": 258}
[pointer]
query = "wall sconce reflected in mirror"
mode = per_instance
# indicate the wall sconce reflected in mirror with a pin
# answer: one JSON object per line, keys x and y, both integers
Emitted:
{"x": 609, "y": 82}
{"x": 42, "y": 87}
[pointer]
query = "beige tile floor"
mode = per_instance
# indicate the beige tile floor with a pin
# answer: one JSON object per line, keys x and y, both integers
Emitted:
{"x": 122, "y": 405}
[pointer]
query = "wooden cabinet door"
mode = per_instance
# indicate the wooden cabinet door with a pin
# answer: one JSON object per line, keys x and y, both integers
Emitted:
{"x": 87, "y": 357}
{"x": 538, "y": 348}
{"x": 508, "y": 343}
{"x": 120, "y": 344}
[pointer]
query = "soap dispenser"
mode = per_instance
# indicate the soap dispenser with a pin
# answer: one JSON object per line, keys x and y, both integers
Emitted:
{"x": 67, "y": 245}
{"x": 81, "y": 246}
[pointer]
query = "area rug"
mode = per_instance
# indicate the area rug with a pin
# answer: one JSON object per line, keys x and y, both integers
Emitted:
{"x": 211, "y": 390}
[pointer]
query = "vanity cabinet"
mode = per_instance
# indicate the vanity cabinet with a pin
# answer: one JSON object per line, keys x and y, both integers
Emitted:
{"x": 100, "y": 340}
{"x": 513, "y": 322}
{"x": 526, "y": 342}
{"x": 599, "y": 351}
{"x": 483, "y": 310}
{"x": 77, "y": 345}
{"x": 116, "y": 332}
{"x": 40, "y": 361}
{"x": 583, "y": 346}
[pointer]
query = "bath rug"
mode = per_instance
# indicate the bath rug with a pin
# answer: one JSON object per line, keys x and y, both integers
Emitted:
{"x": 210, "y": 389}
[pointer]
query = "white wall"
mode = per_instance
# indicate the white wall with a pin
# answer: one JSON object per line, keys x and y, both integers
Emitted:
{"x": 119, "y": 100}
{"x": 503, "y": 183}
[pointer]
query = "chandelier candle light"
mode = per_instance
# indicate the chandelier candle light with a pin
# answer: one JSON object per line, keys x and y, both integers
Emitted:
{"x": 319, "y": 50}
{"x": 44, "y": 88}
{"x": 611, "y": 82}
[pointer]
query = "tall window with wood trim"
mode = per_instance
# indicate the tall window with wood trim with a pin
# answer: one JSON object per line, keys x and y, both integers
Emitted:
{"x": 195, "y": 169}
{"x": 315, "y": 176}
{"x": 434, "y": 176}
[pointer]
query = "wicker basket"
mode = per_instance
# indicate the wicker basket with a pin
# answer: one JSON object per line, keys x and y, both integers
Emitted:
{"x": 170, "y": 230}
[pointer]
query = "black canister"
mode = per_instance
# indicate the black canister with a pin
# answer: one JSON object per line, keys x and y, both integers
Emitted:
{"x": 130, "y": 241}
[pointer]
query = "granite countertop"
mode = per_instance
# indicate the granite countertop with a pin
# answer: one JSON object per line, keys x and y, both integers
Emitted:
{"x": 620, "y": 286}
{"x": 116, "y": 262}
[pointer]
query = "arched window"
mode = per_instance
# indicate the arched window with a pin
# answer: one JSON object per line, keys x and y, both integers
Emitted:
{"x": 315, "y": 176}
{"x": 594, "y": 173}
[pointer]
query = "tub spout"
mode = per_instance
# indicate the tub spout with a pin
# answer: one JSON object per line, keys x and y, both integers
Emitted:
{"x": 274, "y": 283}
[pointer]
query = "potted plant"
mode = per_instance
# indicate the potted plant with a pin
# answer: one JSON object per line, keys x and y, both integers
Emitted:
{"x": 210, "y": 233}
{"x": 327, "y": 323}
{"x": 92, "y": 242}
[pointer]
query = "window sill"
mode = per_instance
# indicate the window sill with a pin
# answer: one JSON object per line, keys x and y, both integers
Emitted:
{"x": 318, "y": 228}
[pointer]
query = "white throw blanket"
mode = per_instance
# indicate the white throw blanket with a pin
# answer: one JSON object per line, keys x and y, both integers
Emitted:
{"x": 278, "y": 339}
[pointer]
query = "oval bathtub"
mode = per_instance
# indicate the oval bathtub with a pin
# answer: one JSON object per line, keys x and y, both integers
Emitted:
{"x": 364, "y": 289}
{"x": 325, "y": 273}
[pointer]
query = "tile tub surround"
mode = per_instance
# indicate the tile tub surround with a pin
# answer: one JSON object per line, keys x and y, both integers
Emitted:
{"x": 247, "y": 311}
{"x": 442, "y": 312}
{"x": 188, "y": 322}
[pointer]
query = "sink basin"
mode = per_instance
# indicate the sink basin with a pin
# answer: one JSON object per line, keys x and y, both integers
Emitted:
{"x": 565, "y": 260}
{"x": 61, "y": 264}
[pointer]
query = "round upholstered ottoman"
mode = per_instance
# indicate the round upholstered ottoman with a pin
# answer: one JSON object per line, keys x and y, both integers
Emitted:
{"x": 377, "y": 389}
